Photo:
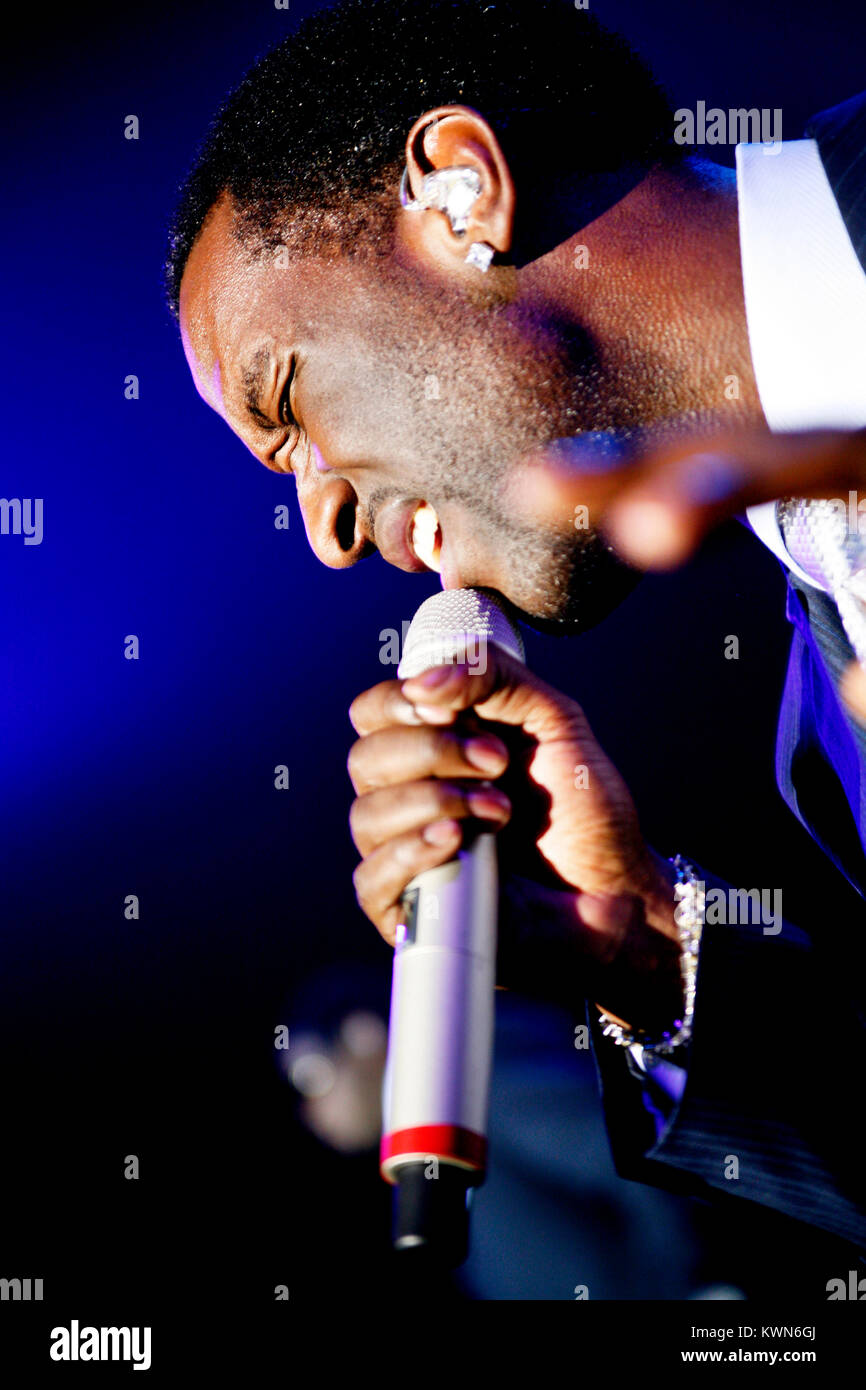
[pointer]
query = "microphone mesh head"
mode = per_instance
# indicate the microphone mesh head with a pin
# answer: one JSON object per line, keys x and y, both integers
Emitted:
{"x": 457, "y": 625}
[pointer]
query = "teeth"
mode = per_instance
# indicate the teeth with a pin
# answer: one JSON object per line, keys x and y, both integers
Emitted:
{"x": 427, "y": 537}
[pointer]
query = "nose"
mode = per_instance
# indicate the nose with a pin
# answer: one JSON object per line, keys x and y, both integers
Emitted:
{"x": 329, "y": 506}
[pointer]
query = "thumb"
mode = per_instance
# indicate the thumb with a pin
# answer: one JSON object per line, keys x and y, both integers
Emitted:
{"x": 499, "y": 688}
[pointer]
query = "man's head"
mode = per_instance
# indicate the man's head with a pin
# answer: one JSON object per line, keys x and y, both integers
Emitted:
{"x": 345, "y": 339}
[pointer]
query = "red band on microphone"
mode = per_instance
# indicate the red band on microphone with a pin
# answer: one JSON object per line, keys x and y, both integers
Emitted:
{"x": 451, "y": 1143}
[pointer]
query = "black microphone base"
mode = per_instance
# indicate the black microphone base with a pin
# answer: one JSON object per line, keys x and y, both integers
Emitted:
{"x": 431, "y": 1214}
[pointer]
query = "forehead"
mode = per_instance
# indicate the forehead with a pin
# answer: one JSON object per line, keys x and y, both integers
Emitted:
{"x": 232, "y": 304}
{"x": 223, "y": 294}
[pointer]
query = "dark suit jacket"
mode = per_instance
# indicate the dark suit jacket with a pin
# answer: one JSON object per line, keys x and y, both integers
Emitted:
{"x": 777, "y": 1062}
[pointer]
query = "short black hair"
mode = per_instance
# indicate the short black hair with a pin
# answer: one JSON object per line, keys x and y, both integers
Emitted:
{"x": 319, "y": 124}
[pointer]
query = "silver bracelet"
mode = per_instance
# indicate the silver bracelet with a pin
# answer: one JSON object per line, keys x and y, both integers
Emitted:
{"x": 690, "y": 893}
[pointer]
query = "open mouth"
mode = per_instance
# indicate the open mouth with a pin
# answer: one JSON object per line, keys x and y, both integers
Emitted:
{"x": 425, "y": 535}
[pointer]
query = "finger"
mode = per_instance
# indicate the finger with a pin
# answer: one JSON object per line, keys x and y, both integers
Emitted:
{"x": 381, "y": 706}
{"x": 552, "y": 485}
{"x": 656, "y": 507}
{"x": 500, "y": 689}
{"x": 382, "y": 877}
{"x": 680, "y": 494}
{"x": 392, "y": 756}
{"x": 386, "y": 814}
{"x": 852, "y": 688}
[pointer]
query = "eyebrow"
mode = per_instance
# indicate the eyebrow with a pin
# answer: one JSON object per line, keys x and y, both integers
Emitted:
{"x": 255, "y": 376}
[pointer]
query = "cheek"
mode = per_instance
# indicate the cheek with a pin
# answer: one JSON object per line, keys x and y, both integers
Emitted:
{"x": 336, "y": 441}
{"x": 359, "y": 413}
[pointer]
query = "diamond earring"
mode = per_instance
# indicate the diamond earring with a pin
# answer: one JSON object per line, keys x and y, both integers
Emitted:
{"x": 452, "y": 191}
{"x": 480, "y": 255}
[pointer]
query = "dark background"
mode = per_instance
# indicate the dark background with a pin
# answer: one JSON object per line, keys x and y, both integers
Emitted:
{"x": 155, "y": 777}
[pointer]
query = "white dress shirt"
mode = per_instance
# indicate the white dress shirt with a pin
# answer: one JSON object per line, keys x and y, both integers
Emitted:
{"x": 805, "y": 303}
{"x": 805, "y": 293}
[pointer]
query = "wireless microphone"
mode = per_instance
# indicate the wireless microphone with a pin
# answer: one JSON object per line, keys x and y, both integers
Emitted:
{"x": 440, "y": 1038}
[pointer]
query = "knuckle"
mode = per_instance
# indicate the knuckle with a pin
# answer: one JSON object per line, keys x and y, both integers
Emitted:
{"x": 356, "y": 712}
{"x": 396, "y": 704}
{"x": 357, "y": 815}
{"x": 353, "y": 763}
{"x": 361, "y": 885}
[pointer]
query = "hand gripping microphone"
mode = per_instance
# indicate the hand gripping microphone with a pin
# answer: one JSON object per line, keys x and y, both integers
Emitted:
{"x": 440, "y": 1037}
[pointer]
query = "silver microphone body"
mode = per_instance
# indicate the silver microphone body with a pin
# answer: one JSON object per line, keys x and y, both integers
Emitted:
{"x": 440, "y": 1038}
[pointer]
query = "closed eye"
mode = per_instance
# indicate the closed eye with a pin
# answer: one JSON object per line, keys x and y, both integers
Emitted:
{"x": 285, "y": 407}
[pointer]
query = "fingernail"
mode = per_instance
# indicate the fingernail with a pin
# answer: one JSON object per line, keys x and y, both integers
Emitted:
{"x": 487, "y": 754}
{"x": 407, "y": 713}
{"x": 430, "y": 680}
{"x": 488, "y": 803}
{"x": 435, "y": 714}
{"x": 441, "y": 832}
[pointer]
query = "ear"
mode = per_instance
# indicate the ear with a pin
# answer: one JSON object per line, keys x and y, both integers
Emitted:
{"x": 444, "y": 138}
